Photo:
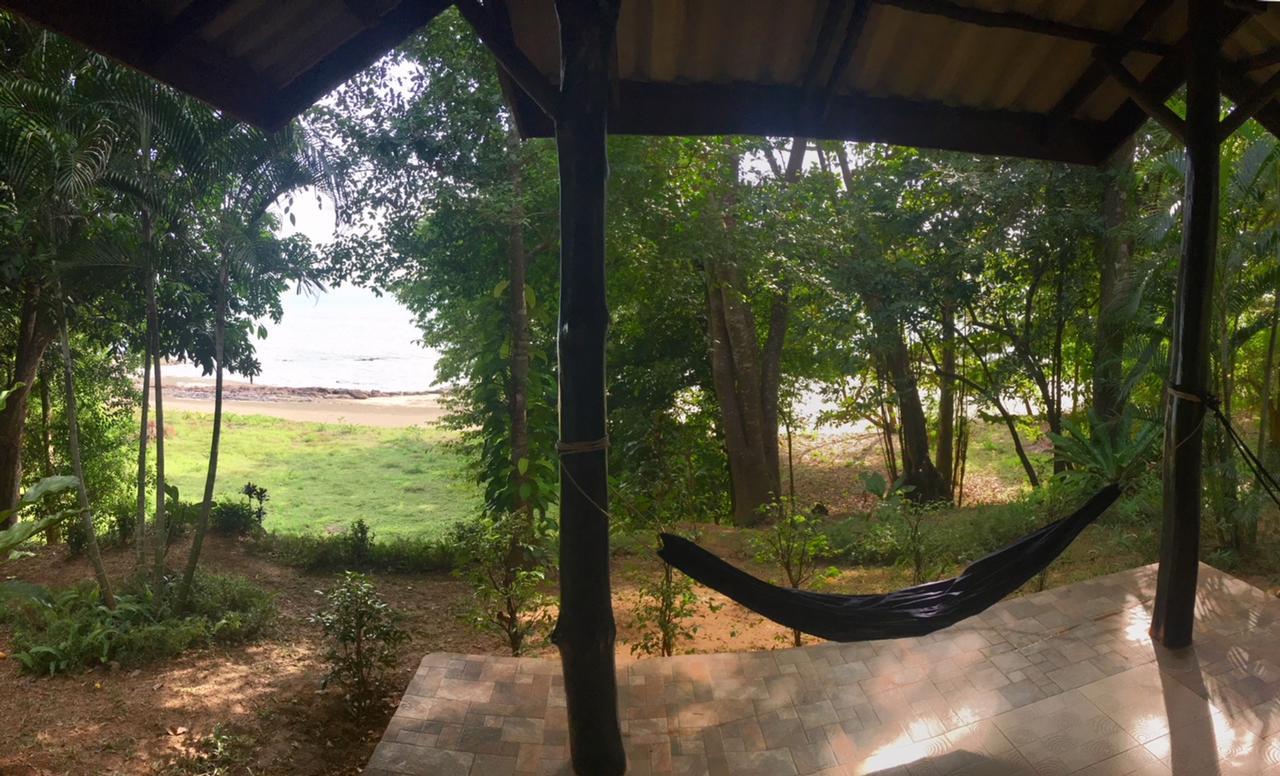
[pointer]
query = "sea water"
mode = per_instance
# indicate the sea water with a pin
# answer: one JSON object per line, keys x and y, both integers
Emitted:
{"x": 346, "y": 337}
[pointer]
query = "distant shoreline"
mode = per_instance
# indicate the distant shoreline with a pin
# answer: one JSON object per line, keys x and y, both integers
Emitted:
{"x": 388, "y": 409}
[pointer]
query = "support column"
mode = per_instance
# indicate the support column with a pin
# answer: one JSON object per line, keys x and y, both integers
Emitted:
{"x": 1174, "y": 613}
{"x": 585, "y": 631}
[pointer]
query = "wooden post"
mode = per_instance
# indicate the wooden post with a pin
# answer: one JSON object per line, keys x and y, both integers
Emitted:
{"x": 1174, "y": 614}
{"x": 585, "y": 631}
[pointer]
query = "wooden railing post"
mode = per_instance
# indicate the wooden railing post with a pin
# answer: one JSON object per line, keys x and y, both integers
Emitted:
{"x": 1174, "y": 613}
{"x": 585, "y": 631}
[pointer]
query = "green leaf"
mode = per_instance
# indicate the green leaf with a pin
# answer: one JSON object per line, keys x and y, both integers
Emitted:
{"x": 4, "y": 395}
{"x": 500, "y": 289}
{"x": 525, "y": 491}
{"x": 48, "y": 486}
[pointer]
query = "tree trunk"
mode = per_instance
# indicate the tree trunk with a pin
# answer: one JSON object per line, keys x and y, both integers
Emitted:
{"x": 36, "y": 331}
{"x": 917, "y": 467}
{"x": 160, "y": 526}
{"x": 77, "y": 466}
{"x": 52, "y": 534}
{"x": 746, "y": 374}
{"x": 585, "y": 631}
{"x": 140, "y": 512}
{"x": 1113, "y": 263}
{"x": 1264, "y": 419}
{"x": 520, "y": 339}
{"x": 944, "y": 457}
{"x": 749, "y": 474}
{"x": 211, "y": 474}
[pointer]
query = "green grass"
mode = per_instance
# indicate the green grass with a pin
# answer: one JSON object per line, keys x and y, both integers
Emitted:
{"x": 320, "y": 477}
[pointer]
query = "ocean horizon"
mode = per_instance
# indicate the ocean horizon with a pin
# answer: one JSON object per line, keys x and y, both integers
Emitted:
{"x": 347, "y": 337}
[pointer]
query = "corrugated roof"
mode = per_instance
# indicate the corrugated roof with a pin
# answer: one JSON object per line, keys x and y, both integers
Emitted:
{"x": 1017, "y": 77}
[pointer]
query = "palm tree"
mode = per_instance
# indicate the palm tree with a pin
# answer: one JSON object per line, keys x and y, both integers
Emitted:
{"x": 55, "y": 146}
{"x": 260, "y": 170}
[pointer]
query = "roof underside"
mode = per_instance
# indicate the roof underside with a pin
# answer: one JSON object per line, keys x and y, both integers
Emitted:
{"x": 1017, "y": 77}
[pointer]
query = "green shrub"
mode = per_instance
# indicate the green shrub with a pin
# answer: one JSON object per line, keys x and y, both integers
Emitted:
{"x": 73, "y": 630}
{"x": 235, "y": 518}
{"x": 401, "y": 555}
{"x": 506, "y": 565}
{"x": 363, "y": 641}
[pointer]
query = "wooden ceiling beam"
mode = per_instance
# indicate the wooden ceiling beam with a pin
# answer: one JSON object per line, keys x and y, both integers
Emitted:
{"x": 509, "y": 55}
{"x": 771, "y": 111}
{"x": 1087, "y": 84}
{"x": 1237, "y": 88}
{"x": 1268, "y": 58}
{"x": 1138, "y": 92}
{"x": 1162, "y": 81}
{"x": 1013, "y": 20}
{"x": 1250, "y": 103}
{"x": 844, "y": 57}
{"x": 350, "y": 58}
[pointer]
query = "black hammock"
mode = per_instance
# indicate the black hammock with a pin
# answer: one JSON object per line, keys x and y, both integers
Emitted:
{"x": 915, "y": 611}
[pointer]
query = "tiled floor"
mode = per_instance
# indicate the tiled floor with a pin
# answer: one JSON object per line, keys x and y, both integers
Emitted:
{"x": 1060, "y": 682}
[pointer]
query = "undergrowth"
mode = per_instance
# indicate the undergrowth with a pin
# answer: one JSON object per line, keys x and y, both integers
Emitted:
{"x": 72, "y": 630}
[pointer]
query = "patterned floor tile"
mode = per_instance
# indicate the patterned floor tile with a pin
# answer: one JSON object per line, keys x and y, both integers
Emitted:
{"x": 1065, "y": 681}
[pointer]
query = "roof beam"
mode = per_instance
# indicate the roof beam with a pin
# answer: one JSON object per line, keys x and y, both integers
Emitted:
{"x": 771, "y": 111}
{"x": 825, "y": 73}
{"x": 1250, "y": 105}
{"x": 350, "y": 58}
{"x": 1138, "y": 92}
{"x": 509, "y": 55}
{"x": 1013, "y": 20}
{"x": 1268, "y": 58}
{"x": 1139, "y": 24}
{"x": 1162, "y": 81}
{"x": 844, "y": 57}
{"x": 1238, "y": 88}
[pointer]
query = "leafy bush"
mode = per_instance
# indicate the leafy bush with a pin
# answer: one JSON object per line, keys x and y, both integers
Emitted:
{"x": 73, "y": 630}
{"x": 503, "y": 559}
{"x": 401, "y": 555}
{"x": 363, "y": 640}
{"x": 795, "y": 545}
{"x": 235, "y": 518}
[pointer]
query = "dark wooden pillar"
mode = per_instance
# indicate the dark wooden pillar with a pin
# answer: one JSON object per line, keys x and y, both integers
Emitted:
{"x": 585, "y": 631}
{"x": 1174, "y": 613}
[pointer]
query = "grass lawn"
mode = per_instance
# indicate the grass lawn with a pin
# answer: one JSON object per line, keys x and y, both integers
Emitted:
{"x": 321, "y": 477}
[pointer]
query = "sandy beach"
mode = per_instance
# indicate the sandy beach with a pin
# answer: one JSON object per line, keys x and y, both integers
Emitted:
{"x": 317, "y": 405}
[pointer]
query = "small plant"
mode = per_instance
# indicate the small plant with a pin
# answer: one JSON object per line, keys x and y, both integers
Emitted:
{"x": 364, "y": 641}
{"x": 506, "y": 564}
{"x": 220, "y": 753}
{"x": 796, "y": 545}
{"x": 358, "y": 542}
{"x": 662, "y": 613}
{"x": 1110, "y": 453}
{"x": 258, "y": 496}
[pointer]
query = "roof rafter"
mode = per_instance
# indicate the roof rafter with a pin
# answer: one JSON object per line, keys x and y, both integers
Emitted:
{"x": 1039, "y": 25}
{"x": 1139, "y": 24}
{"x": 1138, "y": 92}
{"x": 771, "y": 111}
{"x": 1161, "y": 82}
